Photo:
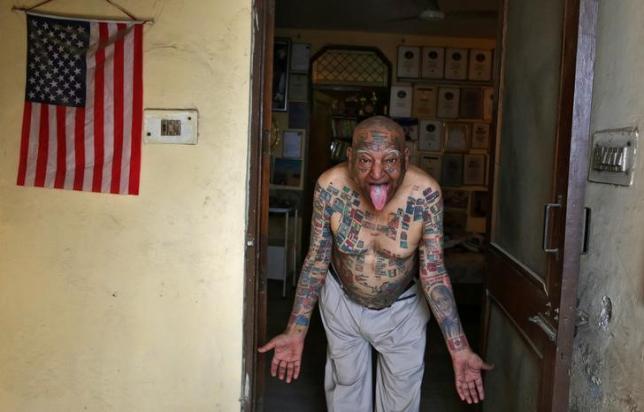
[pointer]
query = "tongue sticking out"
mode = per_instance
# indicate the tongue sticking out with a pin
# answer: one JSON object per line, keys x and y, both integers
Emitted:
{"x": 378, "y": 194}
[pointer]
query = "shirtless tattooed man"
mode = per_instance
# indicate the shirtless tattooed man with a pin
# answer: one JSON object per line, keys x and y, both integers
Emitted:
{"x": 372, "y": 217}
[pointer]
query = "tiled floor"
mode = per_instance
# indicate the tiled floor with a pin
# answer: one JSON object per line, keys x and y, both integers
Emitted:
{"x": 307, "y": 394}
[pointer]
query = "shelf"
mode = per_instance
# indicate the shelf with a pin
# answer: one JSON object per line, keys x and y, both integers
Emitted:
{"x": 467, "y": 188}
{"x": 284, "y": 187}
{"x": 446, "y": 82}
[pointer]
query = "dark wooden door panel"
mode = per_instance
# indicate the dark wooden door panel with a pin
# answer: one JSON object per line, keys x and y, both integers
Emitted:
{"x": 544, "y": 84}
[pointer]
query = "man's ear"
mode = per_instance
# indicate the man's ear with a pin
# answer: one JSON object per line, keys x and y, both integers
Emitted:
{"x": 349, "y": 154}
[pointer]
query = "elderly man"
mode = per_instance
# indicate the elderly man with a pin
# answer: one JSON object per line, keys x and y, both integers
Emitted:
{"x": 371, "y": 217}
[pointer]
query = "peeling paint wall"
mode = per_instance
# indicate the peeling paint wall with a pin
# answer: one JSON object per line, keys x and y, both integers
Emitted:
{"x": 124, "y": 303}
{"x": 608, "y": 359}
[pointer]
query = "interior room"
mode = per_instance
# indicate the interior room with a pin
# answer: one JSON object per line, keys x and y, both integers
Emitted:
{"x": 427, "y": 64}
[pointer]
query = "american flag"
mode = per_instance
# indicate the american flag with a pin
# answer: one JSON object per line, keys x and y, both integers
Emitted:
{"x": 82, "y": 120}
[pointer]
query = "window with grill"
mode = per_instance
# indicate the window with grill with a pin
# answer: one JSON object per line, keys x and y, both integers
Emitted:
{"x": 351, "y": 67}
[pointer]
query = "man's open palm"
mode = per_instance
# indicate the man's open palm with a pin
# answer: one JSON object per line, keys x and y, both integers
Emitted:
{"x": 467, "y": 373}
{"x": 288, "y": 355}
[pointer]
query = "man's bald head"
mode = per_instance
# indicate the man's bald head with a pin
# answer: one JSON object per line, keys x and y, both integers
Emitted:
{"x": 378, "y": 129}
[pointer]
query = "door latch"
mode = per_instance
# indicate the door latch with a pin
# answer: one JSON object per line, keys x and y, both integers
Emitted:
{"x": 546, "y": 228}
{"x": 540, "y": 320}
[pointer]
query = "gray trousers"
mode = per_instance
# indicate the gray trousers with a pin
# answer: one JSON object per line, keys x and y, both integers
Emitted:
{"x": 398, "y": 335}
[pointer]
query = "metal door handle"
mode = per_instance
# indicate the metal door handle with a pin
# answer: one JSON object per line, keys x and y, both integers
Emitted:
{"x": 546, "y": 227}
{"x": 540, "y": 321}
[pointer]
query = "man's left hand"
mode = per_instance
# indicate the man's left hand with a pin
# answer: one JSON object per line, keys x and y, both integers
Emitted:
{"x": 467, "y": 371}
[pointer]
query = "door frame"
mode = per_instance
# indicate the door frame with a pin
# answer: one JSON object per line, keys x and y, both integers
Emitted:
{"x": 572, "y": 160}
{"x": 254, "y": 311}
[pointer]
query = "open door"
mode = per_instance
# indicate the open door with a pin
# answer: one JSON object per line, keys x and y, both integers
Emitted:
{"x": 544, "y": 98}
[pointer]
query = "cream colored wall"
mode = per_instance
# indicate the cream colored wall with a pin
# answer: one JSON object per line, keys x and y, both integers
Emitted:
{"x": 122, "y": 303}
{"x": 609, "y": 352}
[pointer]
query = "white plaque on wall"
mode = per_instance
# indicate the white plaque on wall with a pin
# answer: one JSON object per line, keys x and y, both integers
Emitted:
{"x": 456, "y": 64}
{"x": 424, "y": 101}
{"x": 408, "y": 61}
{"x": 430, "y": 135}
{"x": 480, "y": 65}
{"x": 448, "y": 101}
{"x": 400, "y": 101}
{"x": 433, "y": 62}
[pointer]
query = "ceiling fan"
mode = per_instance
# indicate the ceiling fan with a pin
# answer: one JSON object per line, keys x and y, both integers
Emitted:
{"x": 433, "y": 12}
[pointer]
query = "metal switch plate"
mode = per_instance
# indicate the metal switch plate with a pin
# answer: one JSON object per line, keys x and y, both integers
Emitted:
{"x": 613, "y": 156}
{"x": 177, "y": 126}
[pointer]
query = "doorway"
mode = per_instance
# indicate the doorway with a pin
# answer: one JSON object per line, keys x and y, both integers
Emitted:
{"x": 470, "y": 211}
{"x": 350, "y": 73}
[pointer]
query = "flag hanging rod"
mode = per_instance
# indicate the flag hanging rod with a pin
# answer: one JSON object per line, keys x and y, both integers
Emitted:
{"x": 40, "y": 14}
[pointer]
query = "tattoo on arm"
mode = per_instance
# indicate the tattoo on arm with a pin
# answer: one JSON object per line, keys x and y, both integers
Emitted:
{"x": 316, "y": 263}
{"x": 433, "y": 275}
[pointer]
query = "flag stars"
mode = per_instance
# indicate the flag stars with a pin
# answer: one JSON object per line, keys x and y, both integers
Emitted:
{"x": 55, "y": 66}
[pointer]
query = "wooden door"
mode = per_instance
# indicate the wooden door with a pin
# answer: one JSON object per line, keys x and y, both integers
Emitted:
{"x": 263, "y": 15}
{"x": 546, "y": 51}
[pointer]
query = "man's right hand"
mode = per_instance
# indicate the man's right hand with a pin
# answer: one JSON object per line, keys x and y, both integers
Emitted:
{"x": 288, "y": 355}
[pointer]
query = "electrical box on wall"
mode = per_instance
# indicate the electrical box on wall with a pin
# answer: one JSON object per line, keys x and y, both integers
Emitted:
{"x": 612, "y": 157}
{"x": 174, "y": 126}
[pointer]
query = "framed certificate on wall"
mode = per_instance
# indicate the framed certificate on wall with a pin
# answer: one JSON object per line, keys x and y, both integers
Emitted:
{"x": 433, "y": 62}
{"x": 408, "y": 61}
{"x": 480, "y": 136}
{"x": 424, "y": 104}
{"x": 400, "y": 101}
{"x": 452, "y": 174}
{"x": 430, "y": 135}
{"x": 480, "y": 67}
{"x": 448, "y": 102}
{"x": 431, "y": 164}
{"x": 457, "y": 137}
{"x": 474, "y": 169}
{"x": 456, "y": 64}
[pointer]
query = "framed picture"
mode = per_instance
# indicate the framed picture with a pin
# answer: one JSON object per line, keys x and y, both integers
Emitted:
{"x": 293, "y": 143}
{"x": 300, "y": 56}
{"x": 471, "y": 103}
{"x": 431, "y": 164}
{"x": 430, "y": 135}
{"x": 480, "y": 136}
{"x": 424, "y": 101}
{"x": 281, "y": 51}
{"x": 400, "y": 101}
{"x": 456, "y": 64}
{"x": 448, "y": 102}
{"x": 298, "y": 88}
{"x": 457, "y": 137}
{"x": 433, "y": 62}
{"x": 408, "y": 62}
{"x": 480, "y": 65}
{"x": 452, "y": 174}
{"x": 287, "y": 173}
{"x": 474, "y": 169}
